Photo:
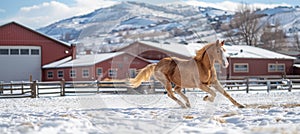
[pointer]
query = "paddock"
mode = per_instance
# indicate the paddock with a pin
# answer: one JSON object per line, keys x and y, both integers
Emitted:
{"x": 274, "y": 112}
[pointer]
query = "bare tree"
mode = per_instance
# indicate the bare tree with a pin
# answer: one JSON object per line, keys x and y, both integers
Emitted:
{"x": 297, "y": 39}
{"x": 273, "y": 37}
{"x": 243, "y": 27}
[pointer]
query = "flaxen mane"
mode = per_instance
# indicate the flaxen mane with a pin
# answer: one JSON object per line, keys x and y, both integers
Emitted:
{"x": 200, "y": 53}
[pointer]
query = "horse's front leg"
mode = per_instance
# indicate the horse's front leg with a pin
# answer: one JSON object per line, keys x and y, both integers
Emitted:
{"x": 219, "y": 87}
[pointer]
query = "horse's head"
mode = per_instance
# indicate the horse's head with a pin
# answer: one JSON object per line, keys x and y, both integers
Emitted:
{"x": 217, "y": 52}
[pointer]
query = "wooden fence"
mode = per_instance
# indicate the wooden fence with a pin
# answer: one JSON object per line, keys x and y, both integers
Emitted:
{"x": 36, "y": 89}
{"x": 260, "y": 85}
{"x": 61, "y": 88}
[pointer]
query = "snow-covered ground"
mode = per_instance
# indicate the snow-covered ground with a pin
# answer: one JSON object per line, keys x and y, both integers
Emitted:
{"x": 274, "y": 112}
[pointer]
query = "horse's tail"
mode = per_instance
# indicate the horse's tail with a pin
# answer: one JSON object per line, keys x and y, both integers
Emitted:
{"x": 143, "y": 75}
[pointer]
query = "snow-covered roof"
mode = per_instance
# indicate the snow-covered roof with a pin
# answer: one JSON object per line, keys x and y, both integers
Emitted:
{"x": 237, "y": 51}
{"x": 244, "y": 51}
{"x": 172, "y": 47}
{"x": 84, "y": 60}
{"x": 57, "y": 63}
{"x": 297, "y": 65}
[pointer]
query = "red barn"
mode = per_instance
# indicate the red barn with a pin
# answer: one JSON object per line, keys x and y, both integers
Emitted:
{"x": 119, "y": 65}
{"x": 24, "y": 51}
{"x": 248, "y": 61}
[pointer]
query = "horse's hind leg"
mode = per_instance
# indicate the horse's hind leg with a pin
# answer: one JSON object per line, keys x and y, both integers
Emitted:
{"x": 210, "y": 91}
{"x": 172, "y": 96}
{"x": 163, "y": 79}
{"x": 178, "y": 91}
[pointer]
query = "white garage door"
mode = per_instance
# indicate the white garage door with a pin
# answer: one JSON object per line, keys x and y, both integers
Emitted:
{"x": 17, "y": 63}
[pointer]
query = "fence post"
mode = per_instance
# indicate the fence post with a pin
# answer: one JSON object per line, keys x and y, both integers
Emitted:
{"x": 247, "y": 85}
{"x": 289, "y": 83}
{"x": 62, "y": 87}
{"x": 11, "y": 87}
{"x": 22, "y": 87}
{"x": 268, "y": 86}
{"x": 1, "y": 87}
{"x": 98, "y": 82}
{"x": 33, "y": 89}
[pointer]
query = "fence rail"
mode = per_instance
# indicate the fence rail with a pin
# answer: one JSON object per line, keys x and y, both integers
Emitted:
{"x": 61, "y": 88}
{"x": 256, "y": 85}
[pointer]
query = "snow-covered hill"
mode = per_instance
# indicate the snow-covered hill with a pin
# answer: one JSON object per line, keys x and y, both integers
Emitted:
{"x": 127, "y": 22}
{"x": 288, "y": 17}
{"x": 130, "y": 21}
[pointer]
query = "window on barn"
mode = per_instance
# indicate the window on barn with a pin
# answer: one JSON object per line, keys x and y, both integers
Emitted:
{"x": 60, "y": 74}
{"x": 50, "y": 75}
{"x": 85, "y": 73}
{"x": 72, "y": 73}
{"x": 280, "y": 67}
{"x": 276, "y": 67}
{"x": 35, "y": 52}
{"x": 24, "y": 51}
{"x": 112, "y": 73}
{"x": 241, "y": 67}
{"x": 272, "y": 68}
{"x": 14, "y": 51}
{"x": 132, "y": 73}
{"x": 99, "y": 72}
{"x": 3, "y": 51}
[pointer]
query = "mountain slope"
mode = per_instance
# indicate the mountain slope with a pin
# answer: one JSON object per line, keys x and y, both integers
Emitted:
{"x": 130, "y": 21}
{"x": 127, "y": 22}
{"x": 288, "y": 17}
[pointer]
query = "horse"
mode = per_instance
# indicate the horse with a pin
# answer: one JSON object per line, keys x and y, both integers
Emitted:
{"x": 197, "y": 72}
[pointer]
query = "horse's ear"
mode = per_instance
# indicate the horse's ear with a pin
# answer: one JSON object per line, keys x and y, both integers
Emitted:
{"x": 222, "y": 43}
{"x": 217, "y": 42}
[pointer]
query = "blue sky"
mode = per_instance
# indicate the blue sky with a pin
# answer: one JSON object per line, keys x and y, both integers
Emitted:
{"x": 37, "y": 13}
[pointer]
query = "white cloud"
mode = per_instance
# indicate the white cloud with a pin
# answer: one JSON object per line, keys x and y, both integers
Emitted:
{"x": 90, "y": 5}
{"x": 49, "y": 12}
{"x": 231, "y": 6}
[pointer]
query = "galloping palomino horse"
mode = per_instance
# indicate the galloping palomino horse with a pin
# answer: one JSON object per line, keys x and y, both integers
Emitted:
{"x": 198, "y": 72}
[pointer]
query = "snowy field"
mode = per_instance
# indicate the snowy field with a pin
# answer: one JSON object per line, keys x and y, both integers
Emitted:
{"x": 276, "y": 112}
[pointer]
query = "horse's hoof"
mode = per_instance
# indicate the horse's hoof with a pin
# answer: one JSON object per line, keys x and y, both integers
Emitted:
{"x": 241, "y": 106}
{"x": 205, "y": 98}
{"x": 184, "y": 107}
{"x": 188, "y": 105}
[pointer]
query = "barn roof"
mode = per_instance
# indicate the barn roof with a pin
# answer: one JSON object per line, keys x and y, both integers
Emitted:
{"x": 36, "y": 32}
{"x": 244, "y": 51}
{"x": 174, "y": 48}
{"x": 237, "y": 51}
{"x": 297, "y": 65}
{"x": 85, "y": 60}
{"x": 58, "y": 63}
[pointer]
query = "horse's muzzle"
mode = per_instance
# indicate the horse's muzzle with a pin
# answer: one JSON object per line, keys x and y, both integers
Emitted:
{"x": 225, "y": 64}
